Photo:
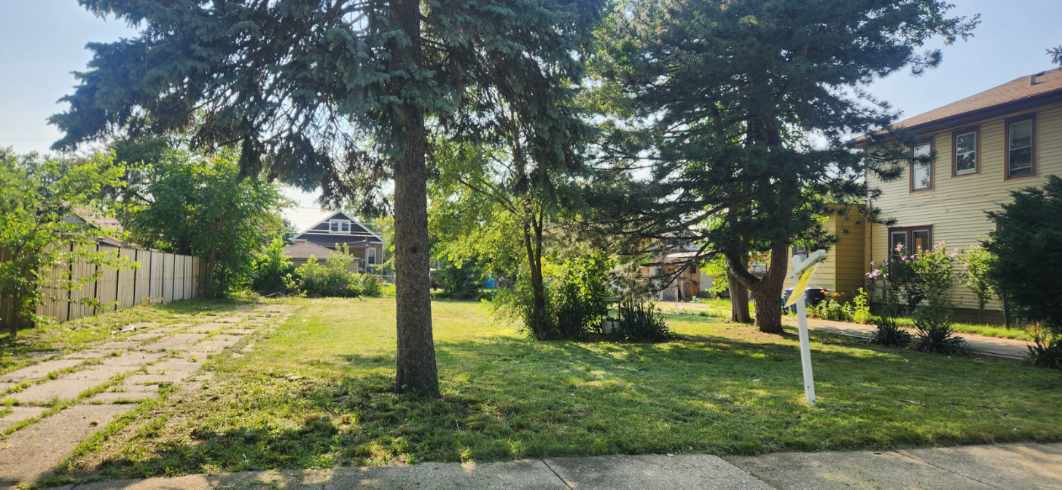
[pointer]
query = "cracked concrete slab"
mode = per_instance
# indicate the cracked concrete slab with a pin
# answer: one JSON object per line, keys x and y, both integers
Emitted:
{"x": 70, "y": 386}
{"x": 39, "y": 370}
{"x": 28, "y": 454}
{"x": 692, "y": 471}
{"x": 175, "y": 342}
{"x": 859, "y": 469}
{"x": 18, "y": 414}
{"x": 1004, "y": 466}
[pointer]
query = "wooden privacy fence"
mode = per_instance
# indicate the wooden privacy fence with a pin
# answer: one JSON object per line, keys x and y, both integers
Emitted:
{"x": 160, "y": 278}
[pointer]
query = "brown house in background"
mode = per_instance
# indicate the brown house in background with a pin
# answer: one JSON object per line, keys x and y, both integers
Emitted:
{"x": 328, "y": 235}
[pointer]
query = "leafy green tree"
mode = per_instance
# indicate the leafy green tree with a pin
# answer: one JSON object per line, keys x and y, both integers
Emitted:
{"x": 1056, "y": 55}
{"x": 272, "y": 271}
{"x": 1027, "y": 245}
{"x": 730, "y": 120}
{"x": 977, "y": 276}
{"x": 334, "y": 94}
{"x": 37, "y": 198}
{"x": 199, "y": 205}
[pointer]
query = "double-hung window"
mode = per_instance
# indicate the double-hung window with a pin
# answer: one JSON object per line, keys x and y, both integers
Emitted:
{"x": 910, "y": 240}
{"x": 966, "y": 146}
{"x": 922, "y": 166}
{"x": 340, "y": 226}
{"x": 1020, "y": 153}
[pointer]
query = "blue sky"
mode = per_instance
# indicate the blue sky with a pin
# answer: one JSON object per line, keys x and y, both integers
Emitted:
{"x": 42, "y": 41}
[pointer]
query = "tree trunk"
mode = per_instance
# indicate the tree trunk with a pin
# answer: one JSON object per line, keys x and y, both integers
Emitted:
{"x": 768, "y": 291}
{"x": 739, "y": 300}
{"x": 415, "y": 371}
{"x": 538, "y": 322}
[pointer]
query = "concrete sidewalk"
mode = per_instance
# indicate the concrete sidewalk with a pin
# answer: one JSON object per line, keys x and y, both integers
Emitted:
{"x": 995, "y": 466}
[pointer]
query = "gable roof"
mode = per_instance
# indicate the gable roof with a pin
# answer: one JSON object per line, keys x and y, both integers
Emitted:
{"x": 303, "y": 249}
{"x": 325, "y": 216}
{"x": 1022, "y": 92}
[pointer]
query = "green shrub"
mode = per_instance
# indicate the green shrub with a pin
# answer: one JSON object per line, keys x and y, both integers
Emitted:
{"x": 1027, "y": 250}
{"x": 578, "y": 293}
{"x": 889, "y": 333}
{"x": 458, "y": 281}
{"x": 933, "y": 326}
{"x": 368, "y": 285}
{"x": 638, "y": 321}
{"x": 832, "y": 309}
{"x": 861, "y": 307}
{"x": 272, "y": 271}
{"x": 335, "y": 277}
{"x": 1046, "y": 349}
{"x": 935, "y": 271}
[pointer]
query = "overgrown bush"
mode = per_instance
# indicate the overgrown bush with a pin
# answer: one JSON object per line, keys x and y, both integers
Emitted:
{"x": 37, "y": 199}
{"x": 458, "y": 281}
{"x": 935, "y": 271}
{"x": 1046, "y": 349}
{"x": 637, "y": 321}
{"x": 368, "y": 285}
{"x": 578, "y": 292}
{"x": 335, "y": 277}
{"x": 861, "y": 307}
{"x": 1027, "y": 247}
{"x": 832, "y": 308}
{"x": 272, "y": 272}
{"x": 889, "y": 333}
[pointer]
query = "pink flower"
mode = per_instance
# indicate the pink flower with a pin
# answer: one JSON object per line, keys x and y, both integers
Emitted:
{"x": 899, "y": 247}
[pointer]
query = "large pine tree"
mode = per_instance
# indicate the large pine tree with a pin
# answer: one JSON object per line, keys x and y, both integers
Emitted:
{"x": 740, "y": 111}
{"x": 331, "y": 93}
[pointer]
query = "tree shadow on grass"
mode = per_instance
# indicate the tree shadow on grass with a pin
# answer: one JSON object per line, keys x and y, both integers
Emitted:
{"x": 507, "y": 398}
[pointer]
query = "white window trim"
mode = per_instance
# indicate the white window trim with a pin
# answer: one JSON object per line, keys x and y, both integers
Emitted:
{"x": 370, "y": 253}
{"x": 335, "y": 226}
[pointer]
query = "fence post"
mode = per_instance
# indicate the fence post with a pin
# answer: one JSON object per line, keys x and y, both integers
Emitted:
{"x": 151, "y": 272}
{"x": 96, "y": 281}
{"x": 173, "y": 277}
{"x": 117, "y": 278}
{"x": 70, "y": 279}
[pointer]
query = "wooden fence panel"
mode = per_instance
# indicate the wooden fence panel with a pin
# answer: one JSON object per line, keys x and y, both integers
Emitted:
{"x": 107, "y": 282}
{"x": 53, "y": 295}
{"x": 126, "y": 276}
{"x": 157, "y": 266}
{"x": 141, "y": 277}
{"x": 80, "y": 297}
{"x": 147, "y": 277}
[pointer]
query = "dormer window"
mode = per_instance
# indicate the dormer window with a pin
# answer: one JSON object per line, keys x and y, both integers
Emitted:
{"x": 339, "y": 226}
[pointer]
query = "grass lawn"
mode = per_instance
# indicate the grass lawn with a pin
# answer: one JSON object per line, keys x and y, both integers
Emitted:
{"x": 317, "y": 393}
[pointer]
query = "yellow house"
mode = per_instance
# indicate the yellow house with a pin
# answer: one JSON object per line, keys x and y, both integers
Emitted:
{"x": 844, "y": 268}
{"x": 984, "y": 146}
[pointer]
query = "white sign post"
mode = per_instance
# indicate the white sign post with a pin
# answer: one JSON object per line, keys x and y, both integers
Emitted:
{"x": 802, "y": 269}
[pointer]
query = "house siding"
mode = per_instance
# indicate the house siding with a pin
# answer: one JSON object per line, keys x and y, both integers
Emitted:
{"x": 842, "y": 269}
{"x": 956, "y": 206}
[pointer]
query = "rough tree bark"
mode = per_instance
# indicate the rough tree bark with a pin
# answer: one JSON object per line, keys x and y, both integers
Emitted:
{"x": 766, "y": 291}
{"x": 533, "y": 242}
{"x": 739, "y": 300}
{"x": 416, "y": 370}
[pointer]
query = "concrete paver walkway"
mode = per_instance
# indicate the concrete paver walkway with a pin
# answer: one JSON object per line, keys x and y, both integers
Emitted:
{"x": 59, "y": 402}
{"x": 998, "y": 466}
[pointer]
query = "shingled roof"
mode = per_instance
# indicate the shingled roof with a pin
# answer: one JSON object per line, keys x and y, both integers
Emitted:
{"x": 1012, "y": 96}
{"x": 303, "y": 249}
